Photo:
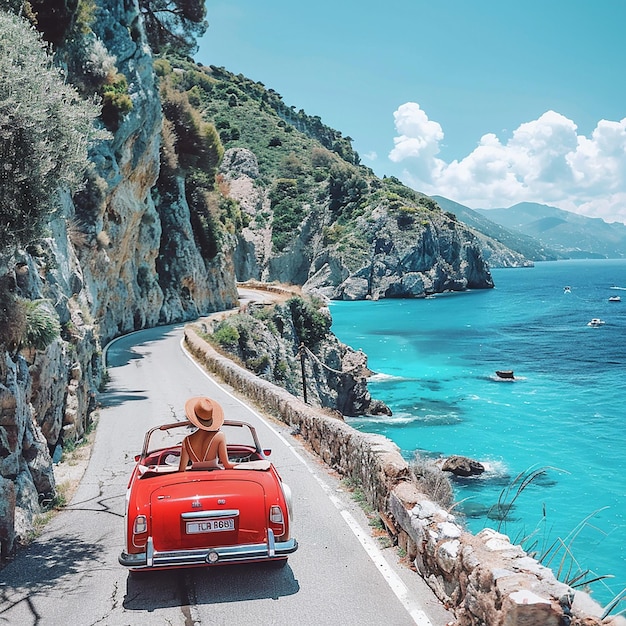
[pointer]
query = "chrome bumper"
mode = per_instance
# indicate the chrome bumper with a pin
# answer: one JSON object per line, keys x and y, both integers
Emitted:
{"x": 152, "y": 559}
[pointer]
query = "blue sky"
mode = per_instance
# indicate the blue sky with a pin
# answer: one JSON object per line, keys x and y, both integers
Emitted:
{"x": 486, "y": 102}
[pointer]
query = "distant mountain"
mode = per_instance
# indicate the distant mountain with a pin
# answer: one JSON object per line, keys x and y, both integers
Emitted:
{"x": 517, "y": 249}
{"x": 571, "y": 235}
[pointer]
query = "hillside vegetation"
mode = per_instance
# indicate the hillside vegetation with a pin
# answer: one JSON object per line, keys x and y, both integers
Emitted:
{"x": 331, "y": 223}
{"x": 299, "y": 158}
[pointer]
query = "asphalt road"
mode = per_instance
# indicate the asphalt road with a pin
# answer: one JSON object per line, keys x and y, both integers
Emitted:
{"x": 70, "y": 575}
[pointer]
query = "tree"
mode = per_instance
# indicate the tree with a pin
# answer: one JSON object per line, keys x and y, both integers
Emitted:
{"x": 45, "y": 130}
{"x": 310, "y": 324}
{"x": 175, "y": 24}
{"x": 197, "y": 142}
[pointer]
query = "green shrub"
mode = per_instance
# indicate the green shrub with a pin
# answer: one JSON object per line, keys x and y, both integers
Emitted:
{"x": 206, "y": 227}
{"x": 281, "y": 370}
{"x": 334, "y": 233}
{"x": 347, "y": 189}
{"x": 405, "y": 216}
{"x": 321, "y": 158}
{"x": 292, "y": 166}
{"x": 116, "y": 102}
{"x": 41, "y": 118}
{"x": 12, "y": 316}
{"x": 42, "y": 324}
{"x": 198, "y": 144}
{"x": 162, "y": 67}
{"x": 310, "y": 325}
{"x": 260, "y": 364}
{"x": 226, "y": 335}
{"x": 288, "y": 211}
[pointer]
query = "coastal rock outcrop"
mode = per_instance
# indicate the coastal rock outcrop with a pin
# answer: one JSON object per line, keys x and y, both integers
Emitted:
{"x": 462, "y": 466}
{"x": 264, "y": 338}
{"x": 403, "y": 254}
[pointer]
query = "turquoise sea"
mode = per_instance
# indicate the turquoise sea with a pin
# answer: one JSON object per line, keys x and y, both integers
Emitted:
{"x": 435, "y": 361}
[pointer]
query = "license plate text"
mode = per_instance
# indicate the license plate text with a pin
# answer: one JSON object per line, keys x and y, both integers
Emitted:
{"x": 210, "y": 526}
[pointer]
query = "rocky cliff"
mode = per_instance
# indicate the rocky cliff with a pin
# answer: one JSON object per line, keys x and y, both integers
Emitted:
{"x": 131, "y": 250}
{"x": 116, "y": 260}
{"x": 387, "y": 251}
{"x": 285, "y": 338}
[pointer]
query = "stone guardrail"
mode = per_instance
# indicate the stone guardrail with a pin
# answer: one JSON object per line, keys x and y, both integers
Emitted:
{"x": 483, "y": 578}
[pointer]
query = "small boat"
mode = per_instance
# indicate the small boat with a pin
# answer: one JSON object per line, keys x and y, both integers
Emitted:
{"x": 595, "y": 322}
{"x": 567, "y": 289}
{"x": 508, "y": 374}
{"x": 615, "y": 299}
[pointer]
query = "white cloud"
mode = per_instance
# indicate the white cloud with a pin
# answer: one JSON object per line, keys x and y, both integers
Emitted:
{"x": 545, "y": 160}
{"x": 370, "y": 156}
{"x": 419, "y": 136}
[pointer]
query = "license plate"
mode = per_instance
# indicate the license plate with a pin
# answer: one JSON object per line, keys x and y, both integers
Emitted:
{"x": 210, "y": 526}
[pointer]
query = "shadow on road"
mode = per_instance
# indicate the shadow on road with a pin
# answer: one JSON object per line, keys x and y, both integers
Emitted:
{"x": 43, "y": 564}
{"x": 153, "y": 590}
{"x": 112, "y": 397}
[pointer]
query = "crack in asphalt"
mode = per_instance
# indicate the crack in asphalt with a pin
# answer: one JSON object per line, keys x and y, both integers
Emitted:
{"x": 188, "y": 598}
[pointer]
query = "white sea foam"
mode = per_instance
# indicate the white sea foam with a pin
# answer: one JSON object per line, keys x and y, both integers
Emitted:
{"x": 381, "y": 378}
{"x": 397, "y": 419}
{"x": 495, "y": 468}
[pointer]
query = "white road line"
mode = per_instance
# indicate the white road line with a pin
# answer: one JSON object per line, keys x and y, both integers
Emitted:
{"x": 393, "y": 580}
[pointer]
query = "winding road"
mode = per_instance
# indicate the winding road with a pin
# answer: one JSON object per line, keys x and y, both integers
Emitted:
{"x": 70, "y": 575}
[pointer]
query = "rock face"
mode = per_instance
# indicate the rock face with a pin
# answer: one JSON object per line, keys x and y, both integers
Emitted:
{"x": 147, "y": 268}
{"x": 118, "y": 260}
{"x": 406, "y": 256}
{"x": 330, "y": 374}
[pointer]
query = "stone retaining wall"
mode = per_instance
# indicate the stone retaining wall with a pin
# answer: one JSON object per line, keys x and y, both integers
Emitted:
{"x": 483, "y": 578}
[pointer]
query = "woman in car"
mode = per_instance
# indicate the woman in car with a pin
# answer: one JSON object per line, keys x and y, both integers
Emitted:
{"x": 205, "y": 448}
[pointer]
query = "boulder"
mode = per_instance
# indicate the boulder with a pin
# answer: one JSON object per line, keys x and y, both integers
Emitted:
{"x": 462, "y": 466}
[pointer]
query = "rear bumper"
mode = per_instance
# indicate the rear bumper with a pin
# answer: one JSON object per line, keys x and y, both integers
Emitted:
{"x": 152, "y": 559}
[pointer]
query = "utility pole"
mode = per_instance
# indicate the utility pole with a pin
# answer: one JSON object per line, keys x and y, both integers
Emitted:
{"x": 303, "y": 372}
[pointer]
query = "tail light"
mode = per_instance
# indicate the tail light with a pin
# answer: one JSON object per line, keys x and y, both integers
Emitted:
{"x": 276, "y": 514}
{"x": 141, "y": 525}
{"x": 140, "y": 529}
{"x": 277, "y": 520}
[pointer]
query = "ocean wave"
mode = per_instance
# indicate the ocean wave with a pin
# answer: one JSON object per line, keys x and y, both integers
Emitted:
{"x": 380, "y": 377}
{"x": 404, "y": 418}
{"x": 495, "y": 468}
{"x": 397, "y": 419}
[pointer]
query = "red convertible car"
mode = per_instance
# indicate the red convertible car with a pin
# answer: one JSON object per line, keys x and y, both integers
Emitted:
{"x": 205, "y": 516}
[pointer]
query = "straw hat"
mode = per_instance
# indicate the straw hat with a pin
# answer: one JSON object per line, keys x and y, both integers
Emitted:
{"x": 204, "y": 413}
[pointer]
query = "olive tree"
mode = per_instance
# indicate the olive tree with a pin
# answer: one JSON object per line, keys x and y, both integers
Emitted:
{"x": 45, "y": 131}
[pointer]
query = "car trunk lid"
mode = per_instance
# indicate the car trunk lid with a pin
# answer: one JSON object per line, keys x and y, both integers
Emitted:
{"x": 208, "y": 513}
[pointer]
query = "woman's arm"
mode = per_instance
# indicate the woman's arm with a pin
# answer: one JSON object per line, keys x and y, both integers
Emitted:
{"x": 222, "y": 451}
{"x": 184, "y": 456}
